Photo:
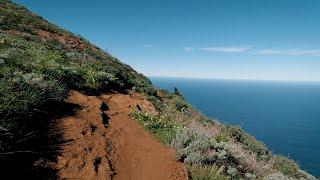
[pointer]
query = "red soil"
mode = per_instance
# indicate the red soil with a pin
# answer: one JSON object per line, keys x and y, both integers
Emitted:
{"x": 69, "y": 41}
{"x": 122, "y": 150}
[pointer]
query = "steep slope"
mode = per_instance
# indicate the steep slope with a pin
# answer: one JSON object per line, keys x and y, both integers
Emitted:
{"x": 39, "y": 64}
{"x": 42, "y": 136}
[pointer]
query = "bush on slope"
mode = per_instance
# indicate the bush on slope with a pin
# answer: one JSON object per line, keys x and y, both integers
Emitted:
{"x": 212, "y": 149}
{"x": 39, "y": 64}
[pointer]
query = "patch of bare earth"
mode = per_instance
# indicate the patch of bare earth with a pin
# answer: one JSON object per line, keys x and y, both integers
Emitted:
{"x": 101, "y": 141}
{"x": 69, "y": 41}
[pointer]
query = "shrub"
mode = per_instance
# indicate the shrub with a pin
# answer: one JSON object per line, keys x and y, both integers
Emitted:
{"x": 232, "y": 171}
{"x": 285, "y": 165}
{"x": 222, "y": 136}
{"x": 289, "y": 168}
{"x": 206, "y": 172}
{"x": 159, "y": 105}
{"x": 195, "y": 147}
{"x": 247, "y": 162}
{"x": 179, "y": 103}
{"x": 176, "y": 92}
{"x": 188, "y": 114}
{"x": 248, "y": 141}
{"x": 277, "y": 176}
{"x": 162, "y": 129}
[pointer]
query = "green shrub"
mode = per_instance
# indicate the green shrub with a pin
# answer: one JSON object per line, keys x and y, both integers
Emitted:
{"x": 277, "y": 176}
{"x": 180, "y": 103}
{"x": 161, "y": 128}
{"x": 232, "y": 171}
{"x": 176, "y": 92}
{"x": 195, "y": 147}
{"x": 289, "y": 168}
{"x": 285, "y": 165}
{"x": 248, "y": 141}
{"x": 206, "y": 172}
{"x": 222, "y": 136}
{"x": 157, "y": 103}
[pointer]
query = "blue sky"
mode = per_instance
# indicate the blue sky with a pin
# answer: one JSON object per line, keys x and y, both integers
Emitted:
{"x": 231, "y": 39}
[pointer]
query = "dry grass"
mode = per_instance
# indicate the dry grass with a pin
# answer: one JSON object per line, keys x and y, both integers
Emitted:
{"x": 206, "y": 146}
{"x": 249, "y": 160}
{"x": 205, "y": 172}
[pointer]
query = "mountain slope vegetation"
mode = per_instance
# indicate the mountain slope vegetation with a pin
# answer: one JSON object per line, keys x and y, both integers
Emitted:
{"x": 40, "y": 63}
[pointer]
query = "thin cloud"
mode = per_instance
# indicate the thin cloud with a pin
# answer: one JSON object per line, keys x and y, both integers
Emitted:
{"x": 232, "y": 49}
{"x": 290, "y": 52}
{"x": 188, "y": 49}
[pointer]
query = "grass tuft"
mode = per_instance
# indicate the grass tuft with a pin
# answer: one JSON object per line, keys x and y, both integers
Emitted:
{"x": 206, "y": 172}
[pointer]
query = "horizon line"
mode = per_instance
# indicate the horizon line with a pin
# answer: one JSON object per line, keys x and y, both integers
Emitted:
{"x": 244, "y": 79}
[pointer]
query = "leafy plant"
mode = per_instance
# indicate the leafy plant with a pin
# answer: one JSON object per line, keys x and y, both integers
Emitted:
{"x": 195, "y": 147}
{"x": 285, "y": 165}
{"x": 247, "y": 140}
{"x": 289, "y": 168}
{"x": 161, "y": 128}
{"x": 207, "y": 172}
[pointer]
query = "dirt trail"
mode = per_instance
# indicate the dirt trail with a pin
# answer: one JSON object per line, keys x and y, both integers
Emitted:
{"x": 103, "y": 142}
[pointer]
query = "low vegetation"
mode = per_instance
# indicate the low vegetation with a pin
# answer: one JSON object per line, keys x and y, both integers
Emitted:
{"x": 39, "y": 64}
{"x": 248, "y": 141}
{"x": 163, "y": 130}
{"x": 206, "y": 172}
{"x": 213, "y": 150}
{"x": 33, "y": 73}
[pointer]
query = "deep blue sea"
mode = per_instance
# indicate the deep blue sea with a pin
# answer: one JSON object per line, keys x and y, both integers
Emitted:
{"x": 284, "y": 115}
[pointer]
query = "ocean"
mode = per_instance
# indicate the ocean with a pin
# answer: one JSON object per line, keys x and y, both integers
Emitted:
{"x": 284, "y": 115}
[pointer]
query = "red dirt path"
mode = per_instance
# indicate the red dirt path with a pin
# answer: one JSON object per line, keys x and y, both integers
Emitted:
{"x": 123, "y": 150}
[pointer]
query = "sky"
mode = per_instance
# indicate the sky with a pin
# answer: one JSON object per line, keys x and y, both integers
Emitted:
{"x": 229, "y": 39}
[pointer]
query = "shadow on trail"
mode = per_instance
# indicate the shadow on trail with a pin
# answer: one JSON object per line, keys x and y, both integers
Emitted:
{"x": 34, "y": 143}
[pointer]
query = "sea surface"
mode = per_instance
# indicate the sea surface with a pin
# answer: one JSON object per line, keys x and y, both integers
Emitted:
{"x": 284, "y": 115}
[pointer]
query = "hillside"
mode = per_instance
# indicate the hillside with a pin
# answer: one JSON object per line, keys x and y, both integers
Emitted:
{"x": 43, "y": 66}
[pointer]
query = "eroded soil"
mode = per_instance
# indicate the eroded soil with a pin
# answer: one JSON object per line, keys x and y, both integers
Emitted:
{"x": 101, "y": 141}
